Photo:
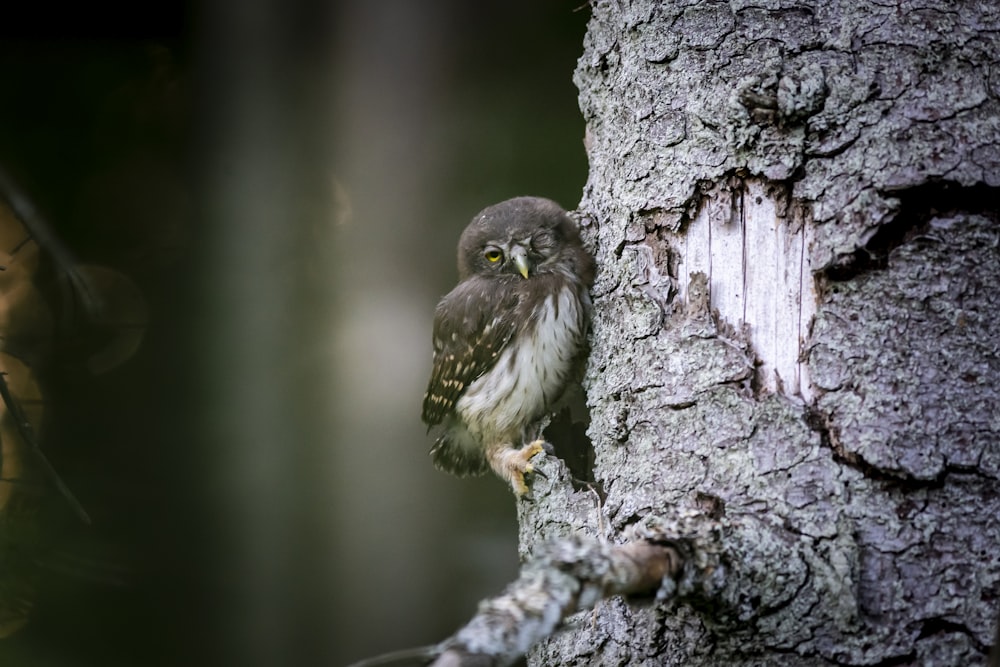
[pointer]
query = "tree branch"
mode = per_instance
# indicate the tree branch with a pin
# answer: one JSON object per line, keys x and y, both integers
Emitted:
{"x": 664, "y": 558}
{"x": 568, "y": 576}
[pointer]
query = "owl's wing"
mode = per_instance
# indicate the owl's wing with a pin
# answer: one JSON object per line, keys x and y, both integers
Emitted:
{"x": 472, "y": 326}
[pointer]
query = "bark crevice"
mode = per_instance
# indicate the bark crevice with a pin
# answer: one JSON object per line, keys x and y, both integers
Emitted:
{"x": 916, "y": 207}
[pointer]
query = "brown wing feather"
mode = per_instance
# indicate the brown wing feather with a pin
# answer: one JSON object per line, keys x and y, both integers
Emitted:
{"x": 472, "y": 326}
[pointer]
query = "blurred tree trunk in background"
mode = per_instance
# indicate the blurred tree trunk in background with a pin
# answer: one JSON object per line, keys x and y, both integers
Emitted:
{"x": 794, "y": 208}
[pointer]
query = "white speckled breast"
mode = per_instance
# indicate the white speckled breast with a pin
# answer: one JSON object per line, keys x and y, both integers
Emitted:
{"x": 531, "y": 373}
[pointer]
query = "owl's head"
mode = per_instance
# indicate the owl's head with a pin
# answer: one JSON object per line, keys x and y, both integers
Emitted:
{"x": 522, "y": 236}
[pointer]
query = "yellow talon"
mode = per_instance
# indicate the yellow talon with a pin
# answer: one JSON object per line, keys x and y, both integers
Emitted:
{"x": 513, "y": 464}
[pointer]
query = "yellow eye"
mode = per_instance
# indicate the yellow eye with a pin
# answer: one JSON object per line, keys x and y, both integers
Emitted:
{"x": 493, "y": 255}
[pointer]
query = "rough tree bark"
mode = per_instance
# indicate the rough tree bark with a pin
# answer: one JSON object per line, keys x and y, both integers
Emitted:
{"x": 794, "y": 208}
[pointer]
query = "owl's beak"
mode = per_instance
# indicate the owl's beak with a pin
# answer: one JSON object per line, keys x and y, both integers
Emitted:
{"x": 520, "y": 258}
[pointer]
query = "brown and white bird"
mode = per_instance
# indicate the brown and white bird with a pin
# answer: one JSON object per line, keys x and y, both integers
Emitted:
{"x": 507, "y": 338}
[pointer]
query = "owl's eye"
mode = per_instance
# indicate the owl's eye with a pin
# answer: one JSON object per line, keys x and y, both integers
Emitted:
{"x": 543, "y": 239}
{"x": 493, "y": 255}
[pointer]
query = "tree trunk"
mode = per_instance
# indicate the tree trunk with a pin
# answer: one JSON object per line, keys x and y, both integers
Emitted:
{"x": 794, "y": 210}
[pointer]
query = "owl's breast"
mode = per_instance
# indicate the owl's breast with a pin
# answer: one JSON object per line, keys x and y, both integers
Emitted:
{"x": 531, "y": 372}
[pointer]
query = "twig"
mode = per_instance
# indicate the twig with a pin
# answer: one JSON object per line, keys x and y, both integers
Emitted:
{"x": 28, "y": 436}
{"x": 420, "y": 655}
{"x": 46, "y": 238}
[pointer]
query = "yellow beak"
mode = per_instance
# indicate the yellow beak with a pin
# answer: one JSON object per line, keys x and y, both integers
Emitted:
{"x": 520, "y": 259}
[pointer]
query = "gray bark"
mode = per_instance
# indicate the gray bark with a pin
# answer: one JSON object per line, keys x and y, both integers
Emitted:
{"x": 794, "y": 210}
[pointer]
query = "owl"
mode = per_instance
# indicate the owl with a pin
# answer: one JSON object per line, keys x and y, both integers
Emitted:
{"x": 508, "y": 338}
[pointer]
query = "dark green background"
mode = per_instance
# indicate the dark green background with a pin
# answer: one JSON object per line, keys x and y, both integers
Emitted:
{"x": 131, "y": 132}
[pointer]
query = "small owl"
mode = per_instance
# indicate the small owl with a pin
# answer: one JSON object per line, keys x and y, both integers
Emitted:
{"x": 507, "y": 338}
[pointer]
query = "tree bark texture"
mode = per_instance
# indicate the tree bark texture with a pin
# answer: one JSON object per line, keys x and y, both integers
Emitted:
{"x": 796, "y": 329}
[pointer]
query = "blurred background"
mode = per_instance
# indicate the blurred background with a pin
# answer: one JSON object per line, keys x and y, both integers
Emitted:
{"x": 241, "y": 218}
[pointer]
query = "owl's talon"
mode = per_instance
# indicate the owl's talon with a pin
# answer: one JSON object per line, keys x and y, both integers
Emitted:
{"x": 513, "y": 464}
{"x": 537, "y": 447}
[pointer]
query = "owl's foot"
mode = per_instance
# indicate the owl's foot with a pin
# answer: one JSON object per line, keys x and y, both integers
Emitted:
{"x": 513, "y": 464}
